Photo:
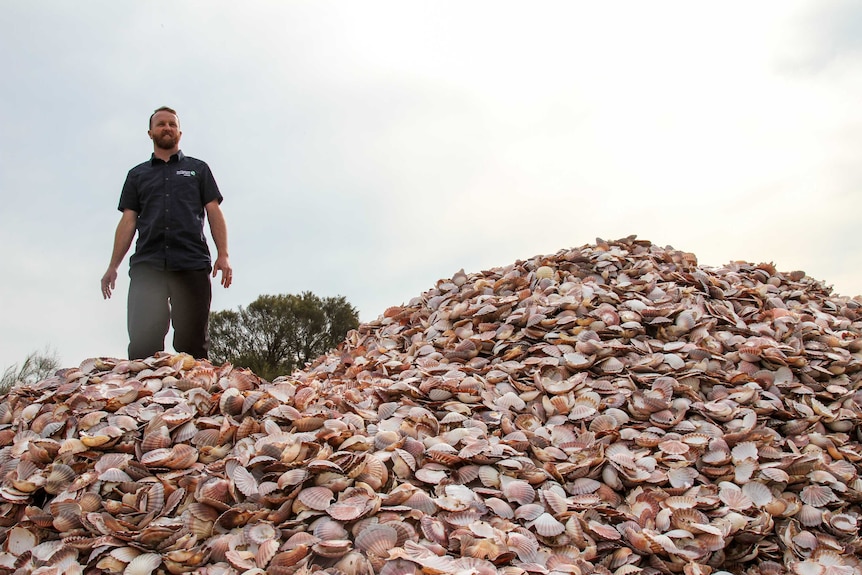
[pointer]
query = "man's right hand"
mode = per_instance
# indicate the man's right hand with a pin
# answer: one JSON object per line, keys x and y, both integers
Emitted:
{"x": 109, "y": 282}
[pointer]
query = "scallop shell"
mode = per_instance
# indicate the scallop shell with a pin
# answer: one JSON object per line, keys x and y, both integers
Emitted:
{"x": 266, "y": 550}
{"x": 744, "y": 470}
{"x": 349, "y": 509}
{"x": 143, "y": 564}
{"x": 157, "y": 457}
{"x": 517, "y": 491}
{"x": 582, "y": 410}
{"x": 421, "y": 501}
{"x": 759, "y": 493}
{"x": 605, "y": 532}
{"x": 20, "y": 540}
{"x": 696, "y": 440}
{"x": 206, "y": 438}
{"x": 716, "y": 454}
{"x": 578, "y": 361}
{"x": 432, "y": 475}
{"x": 529, "y": 512}
{"x": 673, "y": 447}
{"x": 489, "y": 476}
{"x": 688, "y": 518}
{"x": 60, "y": 477}
{"x": 647, "y": 439}
{"x": 258, "y": 533}
{"x": 810, "y": 516}
{"x": 114, "y": 475}
{"x": 547, "y": 525}
{"x": 318, "y": 498}
{"x": 744, "y": 450}
{"x": 434, "y": 529}
{"x": 581, "y": 486}
{"x": 292, "y": 477}
{"x": 775, "y": 474}
{"x": 843, "y": 522}
{"x": 463, "y": 518}
{"x": 817, "y": 495}
{"x": 377, "y": 540}
{"x": 327, "y": 528}
{"x": 682, "y": 477}
{"x": 284, "y": 563}
{"x": 333, "y": 548}
{"x": 555, "y": 501}
{"x": 603, "y": 424}
{"x": 732, "y": 496}
{"x": 500, "y": 508}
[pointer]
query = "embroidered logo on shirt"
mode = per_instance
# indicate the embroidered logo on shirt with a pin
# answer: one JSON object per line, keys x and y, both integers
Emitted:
{"x": 186, "y": 173}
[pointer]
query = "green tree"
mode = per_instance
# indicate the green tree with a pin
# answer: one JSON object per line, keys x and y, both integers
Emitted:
{"x": 277, "y": 334}
{"x": 35, "y": 367}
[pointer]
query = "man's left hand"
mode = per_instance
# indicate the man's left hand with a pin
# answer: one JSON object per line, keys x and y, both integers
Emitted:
{"x": 223, "y": 263}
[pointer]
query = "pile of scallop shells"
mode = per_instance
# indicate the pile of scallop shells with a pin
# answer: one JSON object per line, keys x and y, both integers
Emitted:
{"x": 612, "y": 408}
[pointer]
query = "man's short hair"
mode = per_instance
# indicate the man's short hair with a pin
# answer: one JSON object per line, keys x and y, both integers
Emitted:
{"x": 163, "y": 109}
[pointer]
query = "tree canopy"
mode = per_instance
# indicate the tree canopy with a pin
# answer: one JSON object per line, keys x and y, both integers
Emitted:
{"x": 277, "y": 334}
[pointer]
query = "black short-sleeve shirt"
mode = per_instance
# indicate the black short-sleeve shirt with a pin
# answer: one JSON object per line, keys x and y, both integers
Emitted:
{"x": 169, "y": 198}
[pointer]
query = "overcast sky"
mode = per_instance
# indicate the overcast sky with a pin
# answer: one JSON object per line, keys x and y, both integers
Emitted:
{"x": 368, "y": 149}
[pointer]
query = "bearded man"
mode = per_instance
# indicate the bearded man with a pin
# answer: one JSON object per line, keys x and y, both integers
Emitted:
{"x": 165, "y": 201}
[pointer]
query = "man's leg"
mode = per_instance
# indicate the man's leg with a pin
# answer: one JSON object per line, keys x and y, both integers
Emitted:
{"x": 148, "y": 312}
{"x": 191, "y": 295}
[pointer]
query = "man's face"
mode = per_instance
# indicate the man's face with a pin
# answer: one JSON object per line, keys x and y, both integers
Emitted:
{"x": 165, "y": 130}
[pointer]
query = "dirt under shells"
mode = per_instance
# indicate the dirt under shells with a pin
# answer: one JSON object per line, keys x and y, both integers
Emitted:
{"x": 613, "y": 408}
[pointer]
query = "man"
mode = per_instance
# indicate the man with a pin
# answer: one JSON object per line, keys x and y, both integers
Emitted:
{"x": 164, "y": 201}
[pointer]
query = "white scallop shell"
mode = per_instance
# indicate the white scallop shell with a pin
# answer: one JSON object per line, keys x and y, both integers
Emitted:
{"x": 555, "y": 501}
{"x": 327, "y": 528}
{"x": 547, "y": 525}
{"x": 733, "y": 497}
{"x": 349, "y": 509}
{"x": 775, "y": 474}
{"x": 525, "y": 546}
{"x": 529, "y": 512}
{"x": 817, "y": 495}
{"x": 500, "y": 507}
{"x": 682, "y": 477}
{"x": 377, "y": 540}
{"x": 759, "y": 493}
{"x": 518, "y": 491}
{"x": 583, "y": 485}
{"x": 245, "y": 481}
{"x": 317, "y": 497}
{"x": 266, "y": 550}
{"x": 292, "y": 477}
{"x": 143, "y": 564}
{"x": 20, "y": 540}
{"x": 844, "y": 522}
{"x": 114, "y": 475}
{"x": 810, "y": 516}
{"x": 743, "y": 470}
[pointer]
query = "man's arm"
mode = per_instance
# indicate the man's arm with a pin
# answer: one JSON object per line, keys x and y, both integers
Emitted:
{"x": 122, "y": 242}
{"x": 218, "y": 228}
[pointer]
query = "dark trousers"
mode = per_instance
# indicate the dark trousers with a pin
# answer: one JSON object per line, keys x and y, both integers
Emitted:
{"x": 159, "y": 298}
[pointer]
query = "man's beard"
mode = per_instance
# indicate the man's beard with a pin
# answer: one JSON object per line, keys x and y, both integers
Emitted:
{"x": 167, "y": 141}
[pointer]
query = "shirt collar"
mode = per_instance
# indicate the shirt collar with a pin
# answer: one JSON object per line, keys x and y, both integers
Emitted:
{"x": 173, "y": 159}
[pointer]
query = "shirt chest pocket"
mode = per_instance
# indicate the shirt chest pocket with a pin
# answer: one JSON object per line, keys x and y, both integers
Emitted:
{"x": 186, "y": 189}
